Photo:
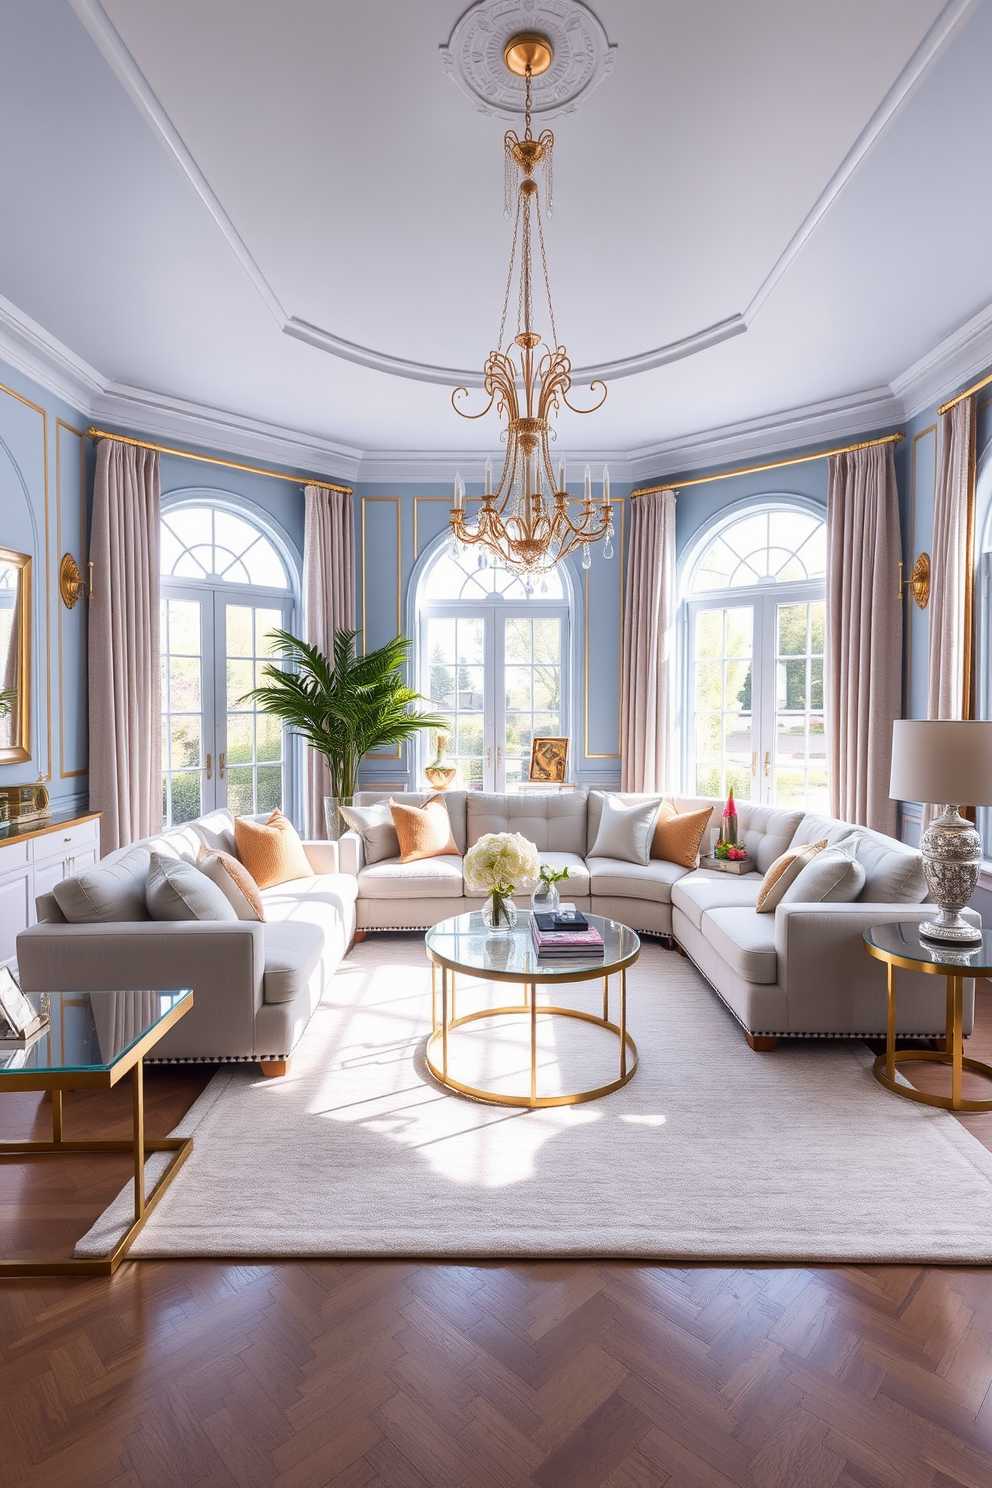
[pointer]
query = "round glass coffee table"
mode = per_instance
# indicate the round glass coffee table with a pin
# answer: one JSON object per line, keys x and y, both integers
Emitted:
{"x": 900, "y": 944}
{"x": 464, "y": 945}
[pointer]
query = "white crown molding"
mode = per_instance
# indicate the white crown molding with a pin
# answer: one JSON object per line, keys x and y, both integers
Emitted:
{"x": 947, "y": 25}
{"x": 948, "y": 365}
{"x": 753, "y": 439}
{"x": 437, "y": 467}
{"x": 28, "y": 347}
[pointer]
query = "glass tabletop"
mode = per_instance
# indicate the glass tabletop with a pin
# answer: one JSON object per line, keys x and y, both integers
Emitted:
{"x": 902, "y": 938}
{"x": 466, "y": 942}
{"x": 87, "y": 1031}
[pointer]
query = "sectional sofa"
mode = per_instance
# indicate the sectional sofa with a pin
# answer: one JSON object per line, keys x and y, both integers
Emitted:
{"x": 800, "y": 971}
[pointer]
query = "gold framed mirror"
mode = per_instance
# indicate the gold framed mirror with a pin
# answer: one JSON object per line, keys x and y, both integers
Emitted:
{"x": 15, "y": 657}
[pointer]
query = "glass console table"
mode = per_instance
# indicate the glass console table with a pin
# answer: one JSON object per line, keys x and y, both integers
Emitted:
{"x": 92, "y": 1041}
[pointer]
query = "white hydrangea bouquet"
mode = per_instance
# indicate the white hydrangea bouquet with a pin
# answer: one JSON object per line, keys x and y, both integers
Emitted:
{"x": 500, "y": 863}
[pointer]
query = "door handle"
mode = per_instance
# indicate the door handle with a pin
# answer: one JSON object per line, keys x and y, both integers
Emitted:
{"x": 754, "y": 763}
{"x": 768, "y": 763}
{"x": 221, "y": 764}
{"x": 499, "y": 755}
{"x": 210, "y": 763}
{"x": 489, "y": 756}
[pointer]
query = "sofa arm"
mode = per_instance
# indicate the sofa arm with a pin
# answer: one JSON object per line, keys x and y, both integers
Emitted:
{"x": 351, "y": 853}
{"x": 323, "y": 856}
{"x": 223, "y": 961}
{"x": 831, "y": 982}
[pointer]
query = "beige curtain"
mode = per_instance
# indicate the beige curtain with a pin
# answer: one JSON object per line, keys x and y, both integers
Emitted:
{"x": 124, "y": 698}
{"x": 328, "y": 605}
{"x": 864, "y": 634}
{"x": 646, "y": 714}
{"x": 949, "y": 561}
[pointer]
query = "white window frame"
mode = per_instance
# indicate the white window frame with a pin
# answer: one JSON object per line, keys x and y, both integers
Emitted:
{"x": 214, "y": 595}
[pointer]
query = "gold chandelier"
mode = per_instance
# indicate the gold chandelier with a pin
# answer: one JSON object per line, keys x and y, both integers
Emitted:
{"x": 525, "y": 523}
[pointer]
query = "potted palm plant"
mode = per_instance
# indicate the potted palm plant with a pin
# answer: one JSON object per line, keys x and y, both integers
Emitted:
{"x": 344, "y": 705}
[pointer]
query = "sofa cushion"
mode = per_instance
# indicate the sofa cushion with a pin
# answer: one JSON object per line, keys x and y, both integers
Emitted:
{"x": 677, "y": 834}
{"x": 320, "y": 901}
{"x": 767, "y": 831}
{"x": 555, "y": 821}
{"x": 697, "y": 892}
{"x": 626, "y": 831}
{"x": 745, "y": 940}
{"x": 292, "y": 950}
{"x": 617, "y": 879}
{"x": 575, "y": 886}
{"x": 832, "y": 877}
{"x": 783, "y": 873}
{"x": 374, "y": 824}
{"x": 234, "y": 881}
{"x": 423, "y": 831}
{"x": 428, "y": 878}
{"x": 113, "y": 891}
{"x": 176, "y": 890}
{"x": 893, "y": 872}
{"x": 454, "y": 800}
{"x": 271, "y": 850}
{"x": 216, "y": 831}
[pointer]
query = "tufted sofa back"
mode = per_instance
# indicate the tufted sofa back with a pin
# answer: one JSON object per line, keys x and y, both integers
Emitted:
{"x": 555, "y": 822}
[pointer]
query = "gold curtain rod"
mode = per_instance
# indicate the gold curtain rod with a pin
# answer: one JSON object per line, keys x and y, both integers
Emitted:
{"x": 165, "y": 449}
{"x": 975, "y": 387}
{"x": 704, "y": 480}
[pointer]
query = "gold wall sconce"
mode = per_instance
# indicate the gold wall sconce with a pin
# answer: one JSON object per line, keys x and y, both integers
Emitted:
{"x": 918, "y": 581}
{"x": 71, "y": 583}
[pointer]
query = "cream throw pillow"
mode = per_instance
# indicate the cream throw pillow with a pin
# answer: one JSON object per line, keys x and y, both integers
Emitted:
{"x": 177, "y": 890}
{"x": 423, "y": 831}
{"x": 677, "y": 834}
{"x": 783, "y": 873}
{"x": 626, "y": 832}
{"x": 271, "y": 850}
{"x": 234, "y": 882}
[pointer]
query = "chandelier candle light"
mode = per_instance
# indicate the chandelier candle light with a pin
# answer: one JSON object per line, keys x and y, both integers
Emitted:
{"x": 525, "y": 522}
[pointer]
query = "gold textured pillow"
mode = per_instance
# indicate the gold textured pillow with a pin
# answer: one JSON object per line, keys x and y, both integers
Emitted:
{"x": 271, "y": 850}
{"x": 234, "y": 882}
{"x": 783, "y": 872}
{"x": 677, "y": 835}
{"x": 423, "y": 831}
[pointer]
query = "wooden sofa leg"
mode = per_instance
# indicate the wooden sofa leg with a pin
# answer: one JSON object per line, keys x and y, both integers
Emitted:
{"x": 358, "y": 935}
{"x": 762, "y": 1043}
{"x": 940, "y": 1045}
{"x": 273, "y": 1068}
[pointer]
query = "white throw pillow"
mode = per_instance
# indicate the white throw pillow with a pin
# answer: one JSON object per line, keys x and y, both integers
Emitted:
{"x": 179, "y": 891}
{"x": 108, "y": 893}
{"x": 832, "y": 877}
{"x": 626, "y": 832}
{"x": 374, "y": 824}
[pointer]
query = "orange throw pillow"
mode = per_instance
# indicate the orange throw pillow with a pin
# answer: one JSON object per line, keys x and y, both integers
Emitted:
{"x": 423, "y": 831}
{"x": 234, "y": 882}
{"x": 783, "y": 873}
{"x": 271, "y": 850}
{"x": 677, "y": 835}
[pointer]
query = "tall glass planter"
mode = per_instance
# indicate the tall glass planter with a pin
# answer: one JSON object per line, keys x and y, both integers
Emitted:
{"x": 334, "y": 822}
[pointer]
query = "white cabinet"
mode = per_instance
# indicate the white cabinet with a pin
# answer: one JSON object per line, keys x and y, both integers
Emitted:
{"x": 33, "y": 859}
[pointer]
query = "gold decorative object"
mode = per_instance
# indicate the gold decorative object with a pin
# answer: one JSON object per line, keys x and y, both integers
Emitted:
{"x": 918, "y": 581}
{"x": 23, "y": 803}
{"x": 440, "y": 772}
{"x": 525, "y": 523}
{"x": 549, "y": 760}
{"x": 71, "y": 585}
{"x": 15, "y": 657}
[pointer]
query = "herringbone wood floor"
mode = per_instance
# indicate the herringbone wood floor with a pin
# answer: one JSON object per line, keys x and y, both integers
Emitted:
{"x": 558, "y": 1375}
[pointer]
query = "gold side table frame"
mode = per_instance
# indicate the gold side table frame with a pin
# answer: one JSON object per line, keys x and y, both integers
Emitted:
{"x": 449, "y": 1022}
{"x": 140, "y": 1146}
{"x": 885, "y": 1066}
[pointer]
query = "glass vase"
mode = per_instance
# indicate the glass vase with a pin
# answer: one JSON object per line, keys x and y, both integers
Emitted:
{"x": 334, "y": 822}
{"x": 545, "y": 898}
{"x": 499, "y": 914}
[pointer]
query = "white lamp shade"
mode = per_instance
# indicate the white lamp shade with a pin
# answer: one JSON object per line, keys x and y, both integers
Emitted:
{"x": 942, "y": 762}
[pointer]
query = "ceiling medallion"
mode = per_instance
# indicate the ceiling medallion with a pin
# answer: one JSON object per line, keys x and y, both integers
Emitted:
{"x": 525, "y": 523}
{"x": 475, "y": 55}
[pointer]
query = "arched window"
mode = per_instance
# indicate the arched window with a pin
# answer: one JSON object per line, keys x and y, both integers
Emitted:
{"x": 226, "y": 586}
{"x": 755, "y": 631}
{"x": 493, "y": 658}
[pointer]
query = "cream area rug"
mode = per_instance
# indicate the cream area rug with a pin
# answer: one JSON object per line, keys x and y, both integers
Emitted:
{"x": 710, "y": 1152}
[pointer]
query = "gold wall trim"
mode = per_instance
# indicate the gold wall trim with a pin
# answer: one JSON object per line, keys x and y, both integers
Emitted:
{"x": 165, "y": 449}
{"x": 60, "y": 424}
{"x": 397, "y": 754}
{"x": 47, "y": 772}
{"x": 705, "y": 480}
{"x": 615, "y": 754}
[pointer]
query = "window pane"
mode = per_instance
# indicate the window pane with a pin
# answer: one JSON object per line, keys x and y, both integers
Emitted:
{"x": 240, "y": 738}
{"x": 184, "y": 675}
{"x": 185, "y": 795}
{"x": 184, "y": 627}
{"x": 775, "y": 545}
{"x": 240, "y": 794}
{"x": 239, "y": 636}
{"x": 240, "y": 680}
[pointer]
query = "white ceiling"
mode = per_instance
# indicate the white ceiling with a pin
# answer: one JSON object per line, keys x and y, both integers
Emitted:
{"x": 364, "y": 196}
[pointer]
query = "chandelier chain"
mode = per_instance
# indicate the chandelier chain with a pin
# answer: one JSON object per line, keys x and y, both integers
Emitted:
{"x": 547, "y": 280}
{"x": 509, "y": 277}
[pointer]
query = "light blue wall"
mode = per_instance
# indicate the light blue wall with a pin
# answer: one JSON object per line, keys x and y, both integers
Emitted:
{"x": 42, "y": 513}
{"x": 395, "y": 523}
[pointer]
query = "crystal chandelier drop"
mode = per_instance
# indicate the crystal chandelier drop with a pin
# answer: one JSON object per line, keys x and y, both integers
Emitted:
{"x": 525, "y": 523}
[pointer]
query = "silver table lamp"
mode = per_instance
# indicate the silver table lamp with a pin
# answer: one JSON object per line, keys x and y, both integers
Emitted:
{"x": 937, "y": 761}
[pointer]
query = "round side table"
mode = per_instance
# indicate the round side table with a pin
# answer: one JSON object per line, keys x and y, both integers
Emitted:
{"x": 900, "y": 944}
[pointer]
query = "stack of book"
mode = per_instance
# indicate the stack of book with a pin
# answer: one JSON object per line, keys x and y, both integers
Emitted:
{"x": 565, "y": 938}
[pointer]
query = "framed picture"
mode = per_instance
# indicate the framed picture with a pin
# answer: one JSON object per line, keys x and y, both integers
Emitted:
{"x": 549, "y": 760}
{"x": 15, "y": 1009}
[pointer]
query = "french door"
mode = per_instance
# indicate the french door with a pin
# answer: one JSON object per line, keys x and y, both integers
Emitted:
{"x": 218, "y": 750}
{"x": 498, "y": 674}
{"x": 755, "y": 696}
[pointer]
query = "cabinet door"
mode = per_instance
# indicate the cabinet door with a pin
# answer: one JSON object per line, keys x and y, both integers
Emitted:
{"x": 16, "y": 905}
{"x": 48, "y": 874}
{"x": 81, "y": 861}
